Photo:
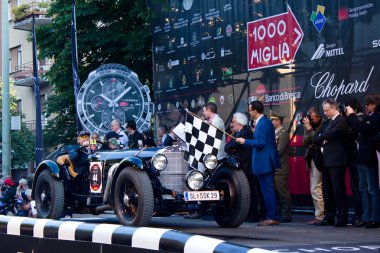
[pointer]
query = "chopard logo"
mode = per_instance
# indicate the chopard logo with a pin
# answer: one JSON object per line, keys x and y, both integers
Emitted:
{"x": 323, "y": 84}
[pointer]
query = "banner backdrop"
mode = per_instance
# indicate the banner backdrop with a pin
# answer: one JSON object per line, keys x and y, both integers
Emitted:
{"x": 288, "y": 54}
{"x": 215, "y": 50}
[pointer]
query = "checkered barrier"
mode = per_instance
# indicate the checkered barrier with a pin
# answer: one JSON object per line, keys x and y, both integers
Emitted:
{"x": 19, "y": 234}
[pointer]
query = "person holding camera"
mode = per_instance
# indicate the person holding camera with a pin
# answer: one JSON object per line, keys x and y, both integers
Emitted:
{"x": 312, "y": 125}
{"x": 352, "y": 159}
{"x": 368, "y": 128}
{"x": 8, "y": 199}
{"x": 23, "y": 198}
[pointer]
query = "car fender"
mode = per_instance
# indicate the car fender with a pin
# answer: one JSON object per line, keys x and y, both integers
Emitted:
{"x": 130, "y": 161}
{"x": 52, "y": 166}
{"x": 228, "y": 161}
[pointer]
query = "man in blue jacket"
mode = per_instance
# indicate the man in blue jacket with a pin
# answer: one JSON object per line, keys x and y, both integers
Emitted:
{"x": 265, "y": 159}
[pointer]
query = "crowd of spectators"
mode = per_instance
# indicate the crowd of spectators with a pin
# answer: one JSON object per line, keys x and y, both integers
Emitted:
{"x": 16, "y": 199}
{"x": 346, "y": 137}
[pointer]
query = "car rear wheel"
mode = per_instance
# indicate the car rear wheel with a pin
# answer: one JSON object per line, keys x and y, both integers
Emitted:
{"x": 49, "y": 196}
{"x": 234, "y": 187}
{"x": 134, "y": 201}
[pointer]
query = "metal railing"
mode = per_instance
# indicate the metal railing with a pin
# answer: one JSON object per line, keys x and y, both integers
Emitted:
{"x": 31, "y": 125}
{"x": 26, "y": 70}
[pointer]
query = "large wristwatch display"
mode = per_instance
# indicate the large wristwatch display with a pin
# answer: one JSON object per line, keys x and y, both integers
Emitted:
{"x": 113, "y": 91}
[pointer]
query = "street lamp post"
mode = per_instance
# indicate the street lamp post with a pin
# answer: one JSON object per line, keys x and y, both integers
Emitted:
{"x": 39, "y": 141}
{"x": 6, "y": 118}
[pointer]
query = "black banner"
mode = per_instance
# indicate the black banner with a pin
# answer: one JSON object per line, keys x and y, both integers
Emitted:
{"x": 200, "y": 54}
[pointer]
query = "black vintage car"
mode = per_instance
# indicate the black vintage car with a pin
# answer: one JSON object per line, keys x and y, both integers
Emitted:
{"x": 140, "y": 184}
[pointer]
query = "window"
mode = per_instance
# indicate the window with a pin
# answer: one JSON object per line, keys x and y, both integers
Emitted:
{"x": 19, "y": 106}
{"x": 15, "y": 59}
{"x": 19, "y": 56}
{"x": 9, "y": 11}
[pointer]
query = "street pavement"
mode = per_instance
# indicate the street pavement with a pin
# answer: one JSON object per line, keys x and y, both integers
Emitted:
{"x": 296, "y": 237}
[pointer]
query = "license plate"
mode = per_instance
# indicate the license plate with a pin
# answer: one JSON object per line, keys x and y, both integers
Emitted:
{"x": 202, "y": 195}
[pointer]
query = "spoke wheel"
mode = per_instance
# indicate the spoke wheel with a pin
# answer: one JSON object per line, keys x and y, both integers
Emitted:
{"x": 133, "y": 197}
{"x": 49, "y": 196}
{"x": 234, "y": 188}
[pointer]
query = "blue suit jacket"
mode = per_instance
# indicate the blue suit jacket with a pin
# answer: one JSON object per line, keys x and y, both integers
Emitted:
{"x": 265, "y": 158}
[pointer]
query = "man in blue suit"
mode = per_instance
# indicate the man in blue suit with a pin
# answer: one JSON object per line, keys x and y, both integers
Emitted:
{"x": 265, "y": 159}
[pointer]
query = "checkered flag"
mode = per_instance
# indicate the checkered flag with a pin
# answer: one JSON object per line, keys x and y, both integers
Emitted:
{"x": 202, "y": 139}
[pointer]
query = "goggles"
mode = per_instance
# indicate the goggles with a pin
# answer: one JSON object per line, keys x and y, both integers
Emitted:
{"x": 114, "y": 141}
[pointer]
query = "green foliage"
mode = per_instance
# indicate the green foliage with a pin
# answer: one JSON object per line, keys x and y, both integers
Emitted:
{"x": 43, "y": 5}
{"x": 22, "y": 142}
{"x": 21, "y": 11}
{"x": 108, "y": 31}
{"x": 23, "y": 146}
{"x": 12, "y": 99}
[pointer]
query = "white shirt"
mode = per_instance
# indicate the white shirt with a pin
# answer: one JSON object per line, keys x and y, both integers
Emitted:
{"x": 335, "y": 116}
{"x": 123, "y": 138}
{"x": 258, "y": 119}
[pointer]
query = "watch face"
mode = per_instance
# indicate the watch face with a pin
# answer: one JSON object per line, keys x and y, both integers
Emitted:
{"x": 110, "y": 94}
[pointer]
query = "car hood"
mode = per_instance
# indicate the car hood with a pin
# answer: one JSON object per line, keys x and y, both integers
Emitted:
{"x": 121, "y": 154}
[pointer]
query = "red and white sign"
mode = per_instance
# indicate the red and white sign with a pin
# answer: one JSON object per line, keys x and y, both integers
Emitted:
{"x": 273, "y": 40}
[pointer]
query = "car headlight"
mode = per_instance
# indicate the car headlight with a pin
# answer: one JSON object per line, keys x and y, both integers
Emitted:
{"x": 210, "y": 161}
{"x": 194, "y": 180}
{"x": 159, "y": 162}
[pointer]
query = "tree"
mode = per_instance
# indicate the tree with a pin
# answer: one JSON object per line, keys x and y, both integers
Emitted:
{"x": 22, "y": 142}
{"x": 108, "y": 31}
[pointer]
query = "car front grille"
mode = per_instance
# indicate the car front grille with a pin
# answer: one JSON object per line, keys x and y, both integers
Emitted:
{"x": 173, "y": 177}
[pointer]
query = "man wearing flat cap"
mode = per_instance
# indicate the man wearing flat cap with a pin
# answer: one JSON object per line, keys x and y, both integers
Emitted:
{"x": 282, "y": 174}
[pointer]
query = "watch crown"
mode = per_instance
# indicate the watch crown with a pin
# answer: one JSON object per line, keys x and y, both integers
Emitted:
{"x": 146, "y": 89}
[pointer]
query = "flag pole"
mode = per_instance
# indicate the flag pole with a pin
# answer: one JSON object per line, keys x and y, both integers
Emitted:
{"x": 194, "y": 115}
{"x": 74, "y": 60}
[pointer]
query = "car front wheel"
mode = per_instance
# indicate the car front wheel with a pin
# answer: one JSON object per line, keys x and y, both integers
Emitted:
{"x": 49, "y": 196}
{"x": 133, "y": 197}
{"x": 234, "y": 187}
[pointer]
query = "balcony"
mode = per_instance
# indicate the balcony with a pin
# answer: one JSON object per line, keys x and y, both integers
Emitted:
{"x": 24, "y": 14}
{"x": 31, "y": 125}
{"x": 23, "y": 75}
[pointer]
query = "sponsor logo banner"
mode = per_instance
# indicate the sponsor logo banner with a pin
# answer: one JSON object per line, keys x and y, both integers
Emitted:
{"x": 327, "y": 51}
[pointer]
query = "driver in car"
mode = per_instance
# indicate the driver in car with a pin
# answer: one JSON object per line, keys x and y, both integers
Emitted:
{"x": 76, "y": 159}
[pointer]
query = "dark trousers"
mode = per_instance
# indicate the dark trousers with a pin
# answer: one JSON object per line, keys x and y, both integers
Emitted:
{"x": 257, "y": 209}
{"x": 283, "y": 195}
{"x": 269, "y": 193}
{"x": 334, "y": 194}
{"x": 354, "y": 182}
